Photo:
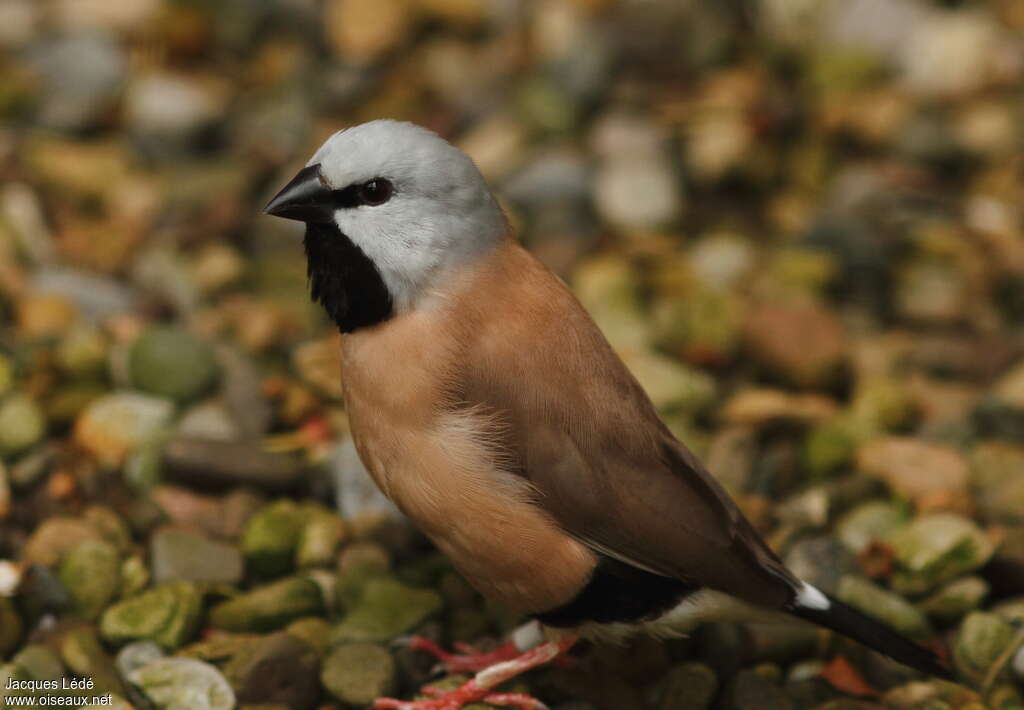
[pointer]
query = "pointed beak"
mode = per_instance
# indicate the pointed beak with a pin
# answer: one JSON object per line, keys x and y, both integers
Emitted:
{"x": 306, "y": 198}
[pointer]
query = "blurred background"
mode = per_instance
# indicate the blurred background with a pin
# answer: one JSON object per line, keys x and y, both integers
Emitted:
{"x": 798, "y": 221}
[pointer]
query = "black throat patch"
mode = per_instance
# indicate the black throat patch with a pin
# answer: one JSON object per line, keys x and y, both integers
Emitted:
{"x": 343, "y": 280}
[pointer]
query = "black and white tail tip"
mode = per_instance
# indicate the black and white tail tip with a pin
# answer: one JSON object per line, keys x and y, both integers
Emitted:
{"x": 817, "y": 607}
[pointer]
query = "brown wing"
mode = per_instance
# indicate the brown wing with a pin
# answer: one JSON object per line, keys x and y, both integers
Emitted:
{"x": 582, "y": 430}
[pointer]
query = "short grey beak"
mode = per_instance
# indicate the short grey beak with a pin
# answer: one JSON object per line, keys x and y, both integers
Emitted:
{"x": 306, "y": 198}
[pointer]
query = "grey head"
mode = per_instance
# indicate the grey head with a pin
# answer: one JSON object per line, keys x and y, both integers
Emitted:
{"x": 389, "y": 208}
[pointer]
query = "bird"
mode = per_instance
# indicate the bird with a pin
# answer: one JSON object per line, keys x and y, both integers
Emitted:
{"x": 487, "y": 405}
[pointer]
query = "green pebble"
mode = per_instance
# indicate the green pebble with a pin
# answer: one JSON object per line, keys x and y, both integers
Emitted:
{"x": 271, "y": 538}
{"x": 936, "y": 548}
{"x": 387, "y": 609}
{"x": 11, "y": 627}
{"x": 358, "y": 673}
{"x": 84, "y": 655}
{"x": 168, "y": 614}
{"x": 957, "y": 598}
{"x": 887, "y": 607}
{"x": 22, "y": 424}
{"x": 983, "y": 637}
{"x": 91, "y": 572}
{"x": 269, "y": 607}
{"x": 171, "y": 362}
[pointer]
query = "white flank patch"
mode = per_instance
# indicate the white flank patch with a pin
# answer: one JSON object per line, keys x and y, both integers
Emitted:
{"x": 528, "y": 636}
{"x": 811, "y": 598}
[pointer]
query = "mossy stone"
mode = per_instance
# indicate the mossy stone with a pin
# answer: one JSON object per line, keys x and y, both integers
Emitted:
{"x": 983, "y": 637}
{"x": 269, "y": 607}
{"x": 936, "y": 548}
{"x": 22, "y": 424}
{"x": 168, "y": 614}
{"x": 91, "y": 572}
{"x": 387, "y": 609}
{"x": 271, "y": 538}
{"x": 887, "y": 607}
{"x": 170, "y": 362}
{"x": 84, "y": 655}
{"x": 358, "y": 673}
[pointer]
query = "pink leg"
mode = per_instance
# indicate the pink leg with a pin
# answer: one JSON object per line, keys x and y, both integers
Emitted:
{"x": 469, "y": 659}
{"x": 479, "y": 687}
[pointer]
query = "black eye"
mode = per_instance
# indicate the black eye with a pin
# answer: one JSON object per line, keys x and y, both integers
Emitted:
{"x": 375, "y": 192}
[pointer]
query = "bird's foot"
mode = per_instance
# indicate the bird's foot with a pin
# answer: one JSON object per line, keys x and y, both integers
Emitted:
{"x": 469, "y": 659}
{"x": 481, "y": 686}
{"x": 468, "y": 692}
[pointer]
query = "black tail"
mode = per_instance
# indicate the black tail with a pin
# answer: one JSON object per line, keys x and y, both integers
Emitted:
{"x": 873, "y": 634}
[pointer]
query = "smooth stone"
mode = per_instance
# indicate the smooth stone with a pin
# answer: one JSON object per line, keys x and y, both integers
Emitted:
{"x": 361, "y": 31}
{"x": 803, "y": 342}
{"x": 210, "y": 463}
{"x": 54, "y": 537}
{"x": 183, "y": 684}
{"x": 272, "y": 537}
{"x": 37, "y": 662}
{"x": 169, "y": 615}
{"x": 821, "y": 561}
{"x": 914, "y": 469}
{"x": 870, "y": 522}
{"x": 689, "y": 685}
{"x": 11, "y": 627}
{"x": 320, "y": 538}
{"x": 219, "y": 648}
{"x": 136, "y": 655}
{"x": 887, "y": 607}
{"x": 936, "y": 548}
{"x": 983, "y": 637}
{"x": 750, "y": 691}
{"x": 318, "y": 363}
{"x": 208, "y": 420}
{"x": 172, "y": 363}
{"x": 82, "y": 74}
{"x": 112, "y": 426}
{"x": 669, "y": 383}
{"x": 40, "y": 593}
{"x": 952, "y": 601}
{"x": 276, "y": 669}
{"x": 358, "y": 563}
{"x": 998, "y": 483}
{"x": 84, "y": 655}
{"x": 830, "y": 446}
{"x": 269, "y": 607}
{"x": 191, "y": 557}
{"x": 968, "y": 35}
{"x": 98, "y": 297}
{"x": 314, "y": 631}
{"x": 638, "y": 192}
{"x": 164, "y": 107}
{"x": 387, "y": 609}
{"x": 91, "y": 572}
{"x": 241, "y": 385}
{"x": 358, "y": 673}
{"x": 22, "y": 424}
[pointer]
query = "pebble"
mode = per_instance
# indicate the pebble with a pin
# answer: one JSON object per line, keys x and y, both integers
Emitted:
{"x": 669, "y": 383}
{"x": 167, "y": 111}
{"x": 821, "y": 561}
{"x": 22, "y": 424}
{"x": 638, "y": 193}
{"x": 318, "y": 362}
{"x": 183, "y": 684}
{"x": 82, "y": 74}
{"x": 964, "y": 34}
{"x": 136, "y": 655}
{"x": 113, "y": 425}
{"x": 168, "y": 614}
{"x": 952, "y": 601}
{"x": 983, "y": 637}
{"x": 212, "y": 463}
{"x": 913, "y": 468}
{"x": 171, "y": 363}
{"x": 272, "y": 537}
{"x": 84, "y": 655}
{"x": 748, "y": 690}
{"x": 386, "y": 609}
{"x": 998, "y": 485}
{"x": 936, "y": 548}
{"x": 276, "y": 669}
{"x": 689, "y": 685}
{"x": 357, "y": 497}
{"x": 97, "y": 297}
{"x": 871, "y": 522}
{"x": 722, "y": 259}
{"x": 361, "y": 31}
{"x": 804, "y": 343}
{"x": 759, "y": 406}
{"x": 269, "y": 607}
{"x": 11, "y": 627}
{"x": 91, "y": 572}
{"x": 888, "y": 607}
{"x": 191, "y": 557}
{"x": 54, "y": 537}
{"x": 358, "y": 673}
{"x": 45, "y": 315}
{"x": 321, "y": 536}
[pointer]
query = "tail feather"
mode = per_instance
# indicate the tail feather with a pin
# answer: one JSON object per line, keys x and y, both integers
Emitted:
{"x": 819, "y": 608}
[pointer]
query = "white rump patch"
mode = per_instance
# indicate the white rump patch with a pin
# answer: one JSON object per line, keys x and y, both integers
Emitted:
{"x": 811, "y": 598}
